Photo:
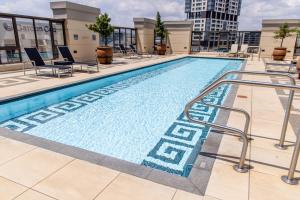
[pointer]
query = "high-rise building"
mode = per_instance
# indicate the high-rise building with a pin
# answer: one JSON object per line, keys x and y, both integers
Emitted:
{"x": 213, "y": 15}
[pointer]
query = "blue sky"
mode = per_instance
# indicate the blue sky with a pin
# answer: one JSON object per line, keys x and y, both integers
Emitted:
{"x": 122, "y": 11}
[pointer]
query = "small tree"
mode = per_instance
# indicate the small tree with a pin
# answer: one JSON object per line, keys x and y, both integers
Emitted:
{"x": 160, "y": 28}
{"x": 102, "y": 26}
{"x": 283, "y": 32}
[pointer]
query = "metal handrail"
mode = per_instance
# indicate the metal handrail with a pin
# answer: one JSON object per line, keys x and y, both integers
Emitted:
{"x": 289, "y": 104}
{"x": 241, "y": 166}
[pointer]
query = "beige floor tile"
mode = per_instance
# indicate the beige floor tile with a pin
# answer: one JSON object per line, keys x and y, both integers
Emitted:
{"x": 269, "y": 187}
{"x": 133, "y": 188}
{"x": 265, "y": 143}
{"x": 230, "y": 150}
{"x": 270, "y": 129}
{"x": 10, "y": 149}
{"x": 210, "y": 198}
{"x": 227, "y": 184}
{"x": 33, "y": 195}
{"x": 33, "y": 166}
{"x": 182, "y": 195}
{"x": 270, "y": 161}
{"x": 78, "y": 180}
{"x": 9, "y": 189}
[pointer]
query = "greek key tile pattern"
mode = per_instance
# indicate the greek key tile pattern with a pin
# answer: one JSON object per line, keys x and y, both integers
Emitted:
{"x": 178, "y": 148}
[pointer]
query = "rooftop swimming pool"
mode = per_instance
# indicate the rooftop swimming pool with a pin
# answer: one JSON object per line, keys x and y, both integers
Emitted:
{"x": 135, "y": 116}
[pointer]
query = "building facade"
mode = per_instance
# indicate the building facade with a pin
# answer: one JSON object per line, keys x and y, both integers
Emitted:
{"x": 213, "y": 15}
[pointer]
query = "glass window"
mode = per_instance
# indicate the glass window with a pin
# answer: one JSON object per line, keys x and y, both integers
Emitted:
{"x": 133, "y": 37}
{"x": 26, "y": 34}
{"x": 116, "y": 37}
{"x": 122, "y": 36}
{"x": 128, "y": 36}
{"x": 9, "y": 56}
{"x": 58, "y": 34}
{"x": 7, "y": 35}
{"x": 43, "y": 34}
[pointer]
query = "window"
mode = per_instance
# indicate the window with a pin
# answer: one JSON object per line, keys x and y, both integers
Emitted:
{"x": 43, "y": 35}
{"x": 7, "y": 35}
{"x": 58, "y": 33}
{"x": 26, "y": 34}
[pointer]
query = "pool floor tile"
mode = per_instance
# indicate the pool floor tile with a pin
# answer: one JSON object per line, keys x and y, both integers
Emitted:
{"x": 33, "y": 195}
{"x": 79, "y": 180}
{"x": 9, "y": 189}
{"x": 10, "y": 149}
{"x": 127, "y": 187}
{"x": 34, "y": 166}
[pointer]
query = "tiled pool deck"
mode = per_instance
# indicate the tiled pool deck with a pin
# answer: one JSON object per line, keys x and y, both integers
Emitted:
{"x": 31, "y": 172}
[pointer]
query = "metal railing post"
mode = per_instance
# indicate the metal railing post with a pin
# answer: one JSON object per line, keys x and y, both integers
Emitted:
{"x": 286, "y": 121}
{"x": 290, "y": 178}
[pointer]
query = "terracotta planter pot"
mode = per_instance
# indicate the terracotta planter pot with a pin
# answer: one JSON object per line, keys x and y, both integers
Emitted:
{"x": 104, "y": 55}
{"x": 161, "y": 49}
{"x": 279, "y": 53}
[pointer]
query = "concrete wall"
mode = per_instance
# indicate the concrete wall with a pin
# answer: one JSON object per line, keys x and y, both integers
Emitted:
{"x": 145, "y": 34}
{"x": 268, "y": 42}
{"x": 179, "y": 38}
{"x": 81, "y": 41}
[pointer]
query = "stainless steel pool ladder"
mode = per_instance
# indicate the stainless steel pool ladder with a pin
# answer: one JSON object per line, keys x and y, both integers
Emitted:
{"x": 241, "y": 167}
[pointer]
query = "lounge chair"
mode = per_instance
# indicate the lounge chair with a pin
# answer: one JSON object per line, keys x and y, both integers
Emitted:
{"x": 128, "y": 52}
{"x": 37, "y": 61}
{"x": 243, "y": 53}
{"x": 133, "y": 49}
{"x": 291, "y": 66}
{"x": 233, "y": 50}
{"x": 66, "y": 54}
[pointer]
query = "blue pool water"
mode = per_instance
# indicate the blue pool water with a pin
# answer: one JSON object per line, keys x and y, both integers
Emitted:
{"x": 135, "y": 116}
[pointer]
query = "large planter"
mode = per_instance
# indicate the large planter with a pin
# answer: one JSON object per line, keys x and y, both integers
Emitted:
{"x": 104, "y": 55}
{"x": 279, "y": 53}
{"x": 161, "y": 49}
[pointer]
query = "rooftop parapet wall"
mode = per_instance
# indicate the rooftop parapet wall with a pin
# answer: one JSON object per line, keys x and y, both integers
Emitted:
{"x": 268, "y": 42}
{"x": 179, "y": 38}
{"x": 81, "y": 41}
{"x": 69, "y": 10}
{"x": 145, "y": 34}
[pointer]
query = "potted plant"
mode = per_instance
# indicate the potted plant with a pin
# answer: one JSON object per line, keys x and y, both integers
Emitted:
{"x": 161, "y": 32}
{"x": 105, "y": 29}
{"x": 284, "y": 31}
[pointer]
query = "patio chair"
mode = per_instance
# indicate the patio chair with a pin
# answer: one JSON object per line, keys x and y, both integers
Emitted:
{"x": 244, "y": 51}
{"x": 292, "y": 65}
{"x": 66, "y": 54}
{"x": 134, "y": 50}
{"x": 233, "y": 50}
{"x": 128, "y": 52}
{"x": 37, "y": 61}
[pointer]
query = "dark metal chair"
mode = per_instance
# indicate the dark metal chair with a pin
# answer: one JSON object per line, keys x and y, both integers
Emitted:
{"x": 37, "y": 62}
{"x": 66, "y": 54}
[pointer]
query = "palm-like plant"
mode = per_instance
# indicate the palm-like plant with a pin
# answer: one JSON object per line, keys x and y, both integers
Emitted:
{"x": 283, "y": 32}
{"x": 160, "y": 29}
{"x": 102, "y": 26}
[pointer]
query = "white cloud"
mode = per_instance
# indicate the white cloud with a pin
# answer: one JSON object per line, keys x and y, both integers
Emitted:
{"x": 122, "y": 11}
